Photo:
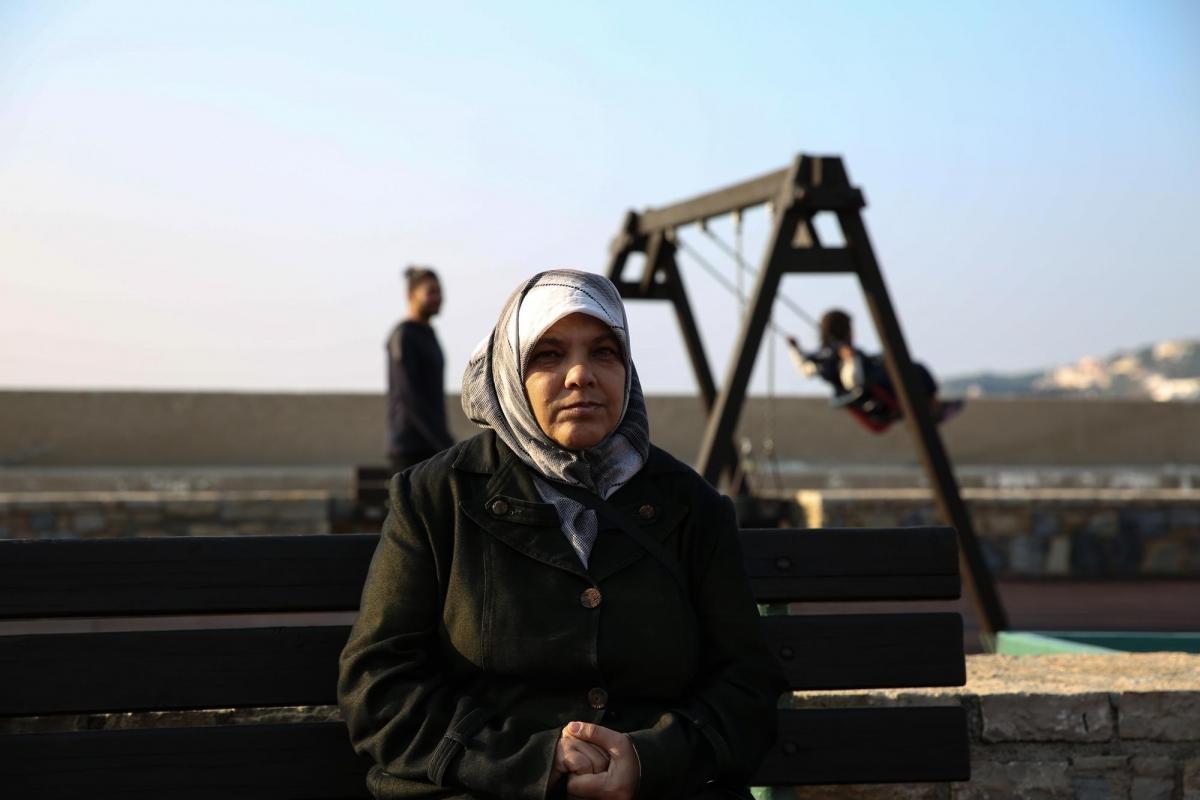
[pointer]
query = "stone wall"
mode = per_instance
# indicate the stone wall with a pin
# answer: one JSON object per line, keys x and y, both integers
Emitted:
{"x": 1024, "y": 534}
{"x": 107, "y": 515}
{"x": 47, "y": 428}
{"x": 1036, "y": 533}
{"x": 1095, "y": 727}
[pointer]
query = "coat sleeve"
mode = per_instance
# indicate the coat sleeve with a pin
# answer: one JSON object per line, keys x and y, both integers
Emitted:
{"x": 725, "y": 727}
{"x": 399, "y": 705}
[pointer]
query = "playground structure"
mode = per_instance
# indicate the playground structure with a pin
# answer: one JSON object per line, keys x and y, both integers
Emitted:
{"x": 810, "y": 186}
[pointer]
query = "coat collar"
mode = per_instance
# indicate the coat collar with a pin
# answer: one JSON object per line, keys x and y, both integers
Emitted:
{"x": 485, "y": 454}
{"x": 497, "y": 492}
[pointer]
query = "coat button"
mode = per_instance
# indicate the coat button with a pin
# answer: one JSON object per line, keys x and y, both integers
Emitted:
{"x": 499, "y": 507}
{"x": 590, "y": 597}
{"x": 647, "y": 512}
{"x": 597, "y": 698}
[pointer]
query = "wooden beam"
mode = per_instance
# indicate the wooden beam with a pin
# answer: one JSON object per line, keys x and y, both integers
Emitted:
{"x": 819, "y": 259}
{"x": 737, "y": 197}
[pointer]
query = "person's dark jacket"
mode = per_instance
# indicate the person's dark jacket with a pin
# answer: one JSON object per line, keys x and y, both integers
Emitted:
{"x": 481, "y": 634}
{"x": 416, "y": 399}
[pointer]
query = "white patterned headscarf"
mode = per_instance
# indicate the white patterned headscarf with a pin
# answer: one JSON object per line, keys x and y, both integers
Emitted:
{"x": 493, "y": 391}
{"x": 493, "y": 396}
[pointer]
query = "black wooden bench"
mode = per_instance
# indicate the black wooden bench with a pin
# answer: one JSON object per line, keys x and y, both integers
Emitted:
{"x": 128, "y": 679}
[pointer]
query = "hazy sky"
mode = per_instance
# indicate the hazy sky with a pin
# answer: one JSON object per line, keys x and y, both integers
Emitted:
{"x": 222, "y": 195}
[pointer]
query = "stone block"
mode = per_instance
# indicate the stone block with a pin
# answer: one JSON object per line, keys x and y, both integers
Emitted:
{"x": 248, "y": 509}
{"x": 1165, "y": 557}
{"x": 1031, "y": 780}
{"x": 1058, "y": 556}
{"x": 1160, "y": 716}
{"x": 1191, "y": 779}
{"x": 994, "y": 555}
{"x": 88, "y": 521}
{"x": 191, "y": 509}
{"x": 919, "y": 516}
{"x": 1045, "y": 524}
{"x": 1107, "y": 786}
{"x": 1003, "y": 522}
{"x": 302, "y": 510}
{"x": 209, "y": 529}
{"x": 43, "y": 521}
{"x": 1047, "y": 718}
{"x": 1144, "y": 522}
{"x": 1185, "y": 520}
{"x": 1153, "y": 766}
{"x": 1151, "y": 789}
{"x": 1026, "y": 555}
{"x": 1103, "y": 523}
{"x": 1083, "y": 764}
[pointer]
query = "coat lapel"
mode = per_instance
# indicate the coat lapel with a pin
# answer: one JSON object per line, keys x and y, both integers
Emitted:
{"x": 497, "y": 493}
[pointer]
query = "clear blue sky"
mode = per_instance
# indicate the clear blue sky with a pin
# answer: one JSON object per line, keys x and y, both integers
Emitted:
{"x": 221, "y": 195}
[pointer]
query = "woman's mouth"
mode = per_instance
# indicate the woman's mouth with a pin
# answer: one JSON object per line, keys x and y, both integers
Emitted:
{"x": 580, "y": 408}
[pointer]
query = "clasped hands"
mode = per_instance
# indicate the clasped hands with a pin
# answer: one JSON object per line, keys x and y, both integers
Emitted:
{"x": 597, "y": 762}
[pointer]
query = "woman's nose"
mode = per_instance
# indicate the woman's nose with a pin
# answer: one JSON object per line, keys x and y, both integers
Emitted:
{"x": 580, "y": 374}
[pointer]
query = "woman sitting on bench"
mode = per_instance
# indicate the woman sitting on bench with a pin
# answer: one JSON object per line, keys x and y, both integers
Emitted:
{"x": 861, "y": 383}
{"x": 557, "y": 608}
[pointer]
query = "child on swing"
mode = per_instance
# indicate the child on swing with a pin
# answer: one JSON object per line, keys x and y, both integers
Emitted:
{"x": 860, "y": 381}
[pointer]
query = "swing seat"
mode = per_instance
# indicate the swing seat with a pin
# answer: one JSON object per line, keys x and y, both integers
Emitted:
{"x": 873, "y": 406}
{"x": 876, "y": 409}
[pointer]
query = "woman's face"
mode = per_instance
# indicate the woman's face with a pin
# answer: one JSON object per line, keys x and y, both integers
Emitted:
{"x": 575, "y": 381}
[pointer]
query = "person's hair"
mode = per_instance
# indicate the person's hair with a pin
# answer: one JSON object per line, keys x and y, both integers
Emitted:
{"x": 836, "y": 328}
{"x": 415, "y": 276}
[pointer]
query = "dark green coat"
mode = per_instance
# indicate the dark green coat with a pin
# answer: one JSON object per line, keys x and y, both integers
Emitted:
{"x": 476, "y": 642}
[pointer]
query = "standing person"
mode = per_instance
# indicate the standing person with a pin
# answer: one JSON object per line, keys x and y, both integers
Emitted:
{"x": 557, "y": 608}
{"x": 416, "y": 398}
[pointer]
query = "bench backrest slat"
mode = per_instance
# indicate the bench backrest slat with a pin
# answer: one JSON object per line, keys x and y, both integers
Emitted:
{"x": 868, "y": 651}
{"x": 816, "y": 746}
{"x": 162, "y": 670}
{"x": 868, "y": 745}
{"x": 252, "y": 667}
{"x": 852, "y": 564}
{"x": 129, "y": 577}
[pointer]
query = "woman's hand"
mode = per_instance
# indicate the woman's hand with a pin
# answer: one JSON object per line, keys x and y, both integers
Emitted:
{"x": 576, "y": 757}
{"x": 619, "y": 780}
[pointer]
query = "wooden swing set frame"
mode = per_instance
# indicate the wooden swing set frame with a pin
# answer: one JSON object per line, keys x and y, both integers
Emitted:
{"x": 809, "y": 186}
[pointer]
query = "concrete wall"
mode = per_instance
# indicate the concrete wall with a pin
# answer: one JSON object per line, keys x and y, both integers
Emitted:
{"x": 56, "y": 429}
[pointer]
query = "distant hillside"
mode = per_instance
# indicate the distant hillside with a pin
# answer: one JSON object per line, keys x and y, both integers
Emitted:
{"x": 1165, "y": 371}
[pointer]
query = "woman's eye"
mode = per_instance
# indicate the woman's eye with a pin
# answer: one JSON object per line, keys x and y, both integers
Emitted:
{"x": 607, "y": 352}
